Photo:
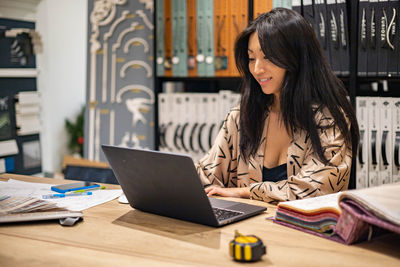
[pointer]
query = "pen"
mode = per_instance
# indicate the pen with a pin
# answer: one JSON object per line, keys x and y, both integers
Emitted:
{"x": 89, "y": 189}
{"x": 66, "y": 195}
{"x": 4, "y": 197}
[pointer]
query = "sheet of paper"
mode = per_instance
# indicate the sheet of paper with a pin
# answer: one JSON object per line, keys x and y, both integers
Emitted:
{"x": 314, "y": 203}
{"x": 76, "y": 203}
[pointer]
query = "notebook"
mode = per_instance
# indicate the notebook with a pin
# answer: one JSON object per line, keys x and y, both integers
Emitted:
{"x": 347, "y": 217}
{"x": 167, "y": 184}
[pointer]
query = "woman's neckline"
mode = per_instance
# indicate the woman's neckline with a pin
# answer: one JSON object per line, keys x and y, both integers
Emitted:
{"x": 274, "y": 167}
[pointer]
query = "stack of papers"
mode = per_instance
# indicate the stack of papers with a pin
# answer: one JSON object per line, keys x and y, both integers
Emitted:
{"x": 37, "y": 190}
{"x": 24, "y": 204}
{"x": 19, "y": 209}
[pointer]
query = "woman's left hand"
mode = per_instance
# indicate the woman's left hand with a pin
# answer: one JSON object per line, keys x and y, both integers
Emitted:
{"x": 243, "y": 192}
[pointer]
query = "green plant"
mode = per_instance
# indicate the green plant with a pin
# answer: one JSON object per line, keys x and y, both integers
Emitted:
{"x": 75, "y": 131}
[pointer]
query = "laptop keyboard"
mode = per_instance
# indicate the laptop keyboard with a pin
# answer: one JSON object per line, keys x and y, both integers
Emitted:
{"x": 223, "y": 214}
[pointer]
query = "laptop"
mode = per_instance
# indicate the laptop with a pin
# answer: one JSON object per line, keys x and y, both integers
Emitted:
{"x": 167, "y": 184}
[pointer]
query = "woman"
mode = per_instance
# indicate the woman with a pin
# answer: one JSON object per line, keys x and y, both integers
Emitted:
{"x": 295, "y": 133}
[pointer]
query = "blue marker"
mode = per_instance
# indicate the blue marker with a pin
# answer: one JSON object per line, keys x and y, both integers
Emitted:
{"x": 66, "y": 195}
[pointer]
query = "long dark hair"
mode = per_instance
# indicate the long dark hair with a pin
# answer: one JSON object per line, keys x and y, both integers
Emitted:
{"x": 289, "y": 42}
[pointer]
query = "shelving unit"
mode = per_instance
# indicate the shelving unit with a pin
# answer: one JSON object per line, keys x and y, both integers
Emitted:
{"x": 354, "y": 84}
{"x": 192, "y": 84}
{"x": 20, "y": 122}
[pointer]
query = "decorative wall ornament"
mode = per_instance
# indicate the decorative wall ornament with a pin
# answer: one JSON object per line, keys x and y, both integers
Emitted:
{"x": 102, "y": 14}
{"x": 125, "y": 140}
{"x": 97, "y": 136}
{"x": 134, "y": 88}
{"x": 114, "y": 56}
{"x": 145, "y": 19}
{"x": 112, "y": 127}
{"x": 116, "y": 33}
{"x": 135, "y": 63}
{"x": 125, "y": 15}
{"x": 35, "y": 37}
{"x": 149, "y": 4}
{"x": 107, "y": 35}
{"x": 135, "y": 140}
{"x": 136, "y": 40}
{"x": 137, "y": 105}
{"x": 131, "y": 140}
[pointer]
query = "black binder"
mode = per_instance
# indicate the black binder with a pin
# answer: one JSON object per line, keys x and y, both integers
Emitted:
{"x": 393, "y": 37}
{"x": 322, "y": 26}
{"x": 333, "y": 21}
{"x": 296, "y": 6}
{"x": 372, "y": 38}
{"x": 309, "y": 14}
{"x": 344, "y": 50}
{"x": 383, "y": 47}
{"x": 363, "y": 43}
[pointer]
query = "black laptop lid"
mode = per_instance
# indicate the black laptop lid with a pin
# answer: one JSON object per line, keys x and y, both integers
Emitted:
{"x": 161, "y": 183}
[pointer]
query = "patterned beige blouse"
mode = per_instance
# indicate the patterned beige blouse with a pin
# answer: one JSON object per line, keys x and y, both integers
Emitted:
{"x": 307, "y": 175}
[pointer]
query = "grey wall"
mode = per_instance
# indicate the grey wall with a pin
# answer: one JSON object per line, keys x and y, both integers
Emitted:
{"x": 119, "y": 112}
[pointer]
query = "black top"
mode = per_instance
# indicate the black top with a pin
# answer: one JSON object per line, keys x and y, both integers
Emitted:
{"x": 274, "y": 174}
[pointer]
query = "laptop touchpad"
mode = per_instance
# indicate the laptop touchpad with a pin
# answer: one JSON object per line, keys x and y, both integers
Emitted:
{"x": 225, "y": 204}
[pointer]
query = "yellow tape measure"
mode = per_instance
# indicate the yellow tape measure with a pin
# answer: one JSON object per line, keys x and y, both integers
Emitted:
{"x": 246, "y": 248}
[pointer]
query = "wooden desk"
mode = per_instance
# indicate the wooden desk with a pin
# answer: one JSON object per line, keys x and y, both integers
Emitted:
{"x": 114, "y": 234}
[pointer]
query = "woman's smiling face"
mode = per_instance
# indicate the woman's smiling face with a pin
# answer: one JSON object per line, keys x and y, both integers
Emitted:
{"x": 268, "y": 75}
